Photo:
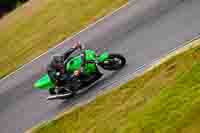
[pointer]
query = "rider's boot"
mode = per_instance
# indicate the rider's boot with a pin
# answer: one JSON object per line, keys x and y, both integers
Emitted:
{"x": 76, "y": 85}
{"x": 94, "y": 77}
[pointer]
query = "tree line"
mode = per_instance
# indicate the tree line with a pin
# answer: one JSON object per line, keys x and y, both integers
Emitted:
{"x": 8, "y": 5}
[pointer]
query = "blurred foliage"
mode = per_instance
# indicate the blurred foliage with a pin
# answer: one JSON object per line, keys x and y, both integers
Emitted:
{"x": 8, "y": 5}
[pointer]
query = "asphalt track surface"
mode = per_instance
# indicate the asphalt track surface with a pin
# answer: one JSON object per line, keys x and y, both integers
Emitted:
{"x": 142, "y": 31}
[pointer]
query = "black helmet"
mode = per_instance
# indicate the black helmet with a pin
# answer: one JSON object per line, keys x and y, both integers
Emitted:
{"x": 57, "y": 59}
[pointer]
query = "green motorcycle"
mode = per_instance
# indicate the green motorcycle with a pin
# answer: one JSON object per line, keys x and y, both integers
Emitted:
{"x": 105, "y": 60}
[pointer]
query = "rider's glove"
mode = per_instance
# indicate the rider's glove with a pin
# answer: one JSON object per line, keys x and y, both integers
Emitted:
{"x": 77, "y": 73}
{"x": 77, "y": 45}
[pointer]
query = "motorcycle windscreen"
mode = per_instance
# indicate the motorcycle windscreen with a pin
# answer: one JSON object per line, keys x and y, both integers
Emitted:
{"x": 44, "y": 83}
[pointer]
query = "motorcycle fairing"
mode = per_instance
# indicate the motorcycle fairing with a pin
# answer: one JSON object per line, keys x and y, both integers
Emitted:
{"x": 44, "y": 83}
{"x": 75, "y": 63}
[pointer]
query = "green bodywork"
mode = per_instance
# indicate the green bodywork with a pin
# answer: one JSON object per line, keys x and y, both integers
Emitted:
{"x": 104, "y": 56}
{"x": 44, "y": 83}
{"x": 72, "y": 65}
{"x": 75, "y": 63}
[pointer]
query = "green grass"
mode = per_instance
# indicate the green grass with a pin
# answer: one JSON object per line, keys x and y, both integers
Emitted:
{"x": 39, "y": 25}
{"x": 163, "y": 100}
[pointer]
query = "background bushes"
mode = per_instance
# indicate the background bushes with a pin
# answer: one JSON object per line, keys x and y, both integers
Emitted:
{"x": 8, "y": 5}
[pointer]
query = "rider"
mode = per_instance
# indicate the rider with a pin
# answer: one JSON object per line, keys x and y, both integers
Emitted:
{"x": 57, "y": 72}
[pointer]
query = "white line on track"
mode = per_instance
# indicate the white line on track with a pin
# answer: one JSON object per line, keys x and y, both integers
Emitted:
{"x": 71, "y": 37}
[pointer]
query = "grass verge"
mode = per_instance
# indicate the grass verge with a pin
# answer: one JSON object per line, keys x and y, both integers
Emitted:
{"x": 165, "y": 99}
{"x": 39, "y": 25}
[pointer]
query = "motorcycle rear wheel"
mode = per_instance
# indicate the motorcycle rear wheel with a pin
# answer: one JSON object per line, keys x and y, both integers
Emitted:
{"x": 114, "y": 62}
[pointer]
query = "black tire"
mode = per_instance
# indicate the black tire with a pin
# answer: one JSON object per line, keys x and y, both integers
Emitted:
{"x": 113, "y": 65}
